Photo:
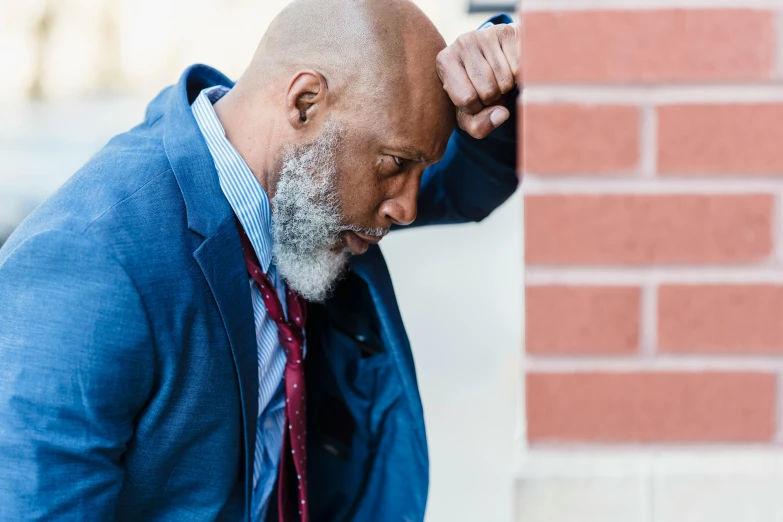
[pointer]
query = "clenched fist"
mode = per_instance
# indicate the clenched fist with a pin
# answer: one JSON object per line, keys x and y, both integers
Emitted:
{"x": 477, "y": 71}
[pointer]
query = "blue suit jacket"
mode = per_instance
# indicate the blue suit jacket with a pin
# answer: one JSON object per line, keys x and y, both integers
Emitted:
{"x": 128, "y": 378}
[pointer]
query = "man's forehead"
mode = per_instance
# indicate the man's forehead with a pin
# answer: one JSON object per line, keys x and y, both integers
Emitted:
{"x": 415, "y": 135}
{"x": 423, "y": 133}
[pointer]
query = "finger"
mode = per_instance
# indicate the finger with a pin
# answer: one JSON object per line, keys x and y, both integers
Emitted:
{"x": 480, "y": 125}
{"x": 482, "y": 77}
{"x": 457, "y": 84}
{"x": 496, "y": 58}
{"x": 508, "y": 36}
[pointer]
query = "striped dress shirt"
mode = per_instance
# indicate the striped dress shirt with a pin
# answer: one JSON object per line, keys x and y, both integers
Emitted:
{"x": 251, "y": 206}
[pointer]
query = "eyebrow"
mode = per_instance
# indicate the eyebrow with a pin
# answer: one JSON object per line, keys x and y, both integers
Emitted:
{"x": 415, "y": 155}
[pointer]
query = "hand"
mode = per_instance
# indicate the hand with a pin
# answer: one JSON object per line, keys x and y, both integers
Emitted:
{"x": 477, "y": 71}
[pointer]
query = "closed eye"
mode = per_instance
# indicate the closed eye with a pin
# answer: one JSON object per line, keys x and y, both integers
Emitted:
{"x": 396, "y": 165}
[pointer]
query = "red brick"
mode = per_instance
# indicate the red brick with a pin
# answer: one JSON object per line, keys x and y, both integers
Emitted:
{"x": 579, "y": 139}
{"x": 647, "y": 229}
{"x": 721, "y": 318}
{"x": 720, "y": 139}
{"x": 582, "y": 320}
{"x": 698, "y": 45}
{"x": 651, "y": 407}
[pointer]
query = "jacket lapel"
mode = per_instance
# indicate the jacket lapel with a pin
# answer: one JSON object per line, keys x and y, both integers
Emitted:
{"x": 220, "y": 259}
{"x": 220, "y": 254}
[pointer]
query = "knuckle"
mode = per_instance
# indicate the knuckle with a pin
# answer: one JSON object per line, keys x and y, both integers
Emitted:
{"x": 443, "y": 63}
{"x": 464, "y": 99}
{"x": 443, "y": 57}
{"x": 467, "y": 40}
{"x": 486, "y": 87}
{"x": 476, "y": 129}
{"x": 506, "y": 31}
{"x": 506, "y": 83}
{"x": 488, "y": 93}
{"x": 457, "y": 46}
{"x": 471, "y": 124}
{"x": 486, "y": 38}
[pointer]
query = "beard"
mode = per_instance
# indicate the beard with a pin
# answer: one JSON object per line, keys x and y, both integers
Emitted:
{"x": 307, "y": 224}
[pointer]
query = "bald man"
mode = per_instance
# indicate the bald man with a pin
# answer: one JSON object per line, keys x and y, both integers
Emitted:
{"x": 199, "y": 325}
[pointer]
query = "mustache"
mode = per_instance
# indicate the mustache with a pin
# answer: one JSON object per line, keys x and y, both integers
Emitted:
{"x": 377, "y": 232}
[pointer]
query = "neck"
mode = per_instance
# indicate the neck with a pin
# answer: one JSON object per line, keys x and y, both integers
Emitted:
{"x": 250, "y": 133}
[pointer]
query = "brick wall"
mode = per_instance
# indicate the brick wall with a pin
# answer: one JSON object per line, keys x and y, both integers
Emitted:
{"x": 652, "y": 150}
{"x": 652, "y": 154}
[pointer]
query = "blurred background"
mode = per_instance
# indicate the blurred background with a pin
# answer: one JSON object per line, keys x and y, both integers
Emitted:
{"x": 76, "y": 72}
{"x": 647, "y": 386}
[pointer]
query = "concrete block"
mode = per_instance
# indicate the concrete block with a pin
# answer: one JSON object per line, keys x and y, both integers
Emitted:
{"x": 581, "y": 500}
{"x": 724, "y": 499}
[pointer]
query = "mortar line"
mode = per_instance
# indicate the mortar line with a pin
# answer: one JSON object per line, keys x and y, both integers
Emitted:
{"x": 648, "y": 331}
{"x": 648, "y": 450}
{"x": 701, "y": 185}
{"x": 777, "y": 72}
{"x": 636, "y": 276}
{"x": 648, "y": 142}
{"x": 708, "y": 362}
{"x": 665, "y": 94}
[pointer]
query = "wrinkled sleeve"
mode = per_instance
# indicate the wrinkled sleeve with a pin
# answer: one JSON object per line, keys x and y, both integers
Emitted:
{"x": 76, "y": 367}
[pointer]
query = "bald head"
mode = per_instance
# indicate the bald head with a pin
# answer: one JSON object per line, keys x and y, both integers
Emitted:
{"x": 373, "y": 47}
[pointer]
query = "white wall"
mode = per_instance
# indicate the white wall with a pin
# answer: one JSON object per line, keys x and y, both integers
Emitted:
{"x": 460, "y": 292}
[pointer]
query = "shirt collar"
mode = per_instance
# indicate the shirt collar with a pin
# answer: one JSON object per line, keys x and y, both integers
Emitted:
{"x": 241, "y": 188}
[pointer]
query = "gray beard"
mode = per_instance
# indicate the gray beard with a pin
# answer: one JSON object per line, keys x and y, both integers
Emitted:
{"x": 307, "y": 219}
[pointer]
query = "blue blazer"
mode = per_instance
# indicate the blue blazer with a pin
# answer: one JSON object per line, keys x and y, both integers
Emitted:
{"x": 128, "y": 377}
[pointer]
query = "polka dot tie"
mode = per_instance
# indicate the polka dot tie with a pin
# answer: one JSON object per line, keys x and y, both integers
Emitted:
{"x": 291, "y": 335}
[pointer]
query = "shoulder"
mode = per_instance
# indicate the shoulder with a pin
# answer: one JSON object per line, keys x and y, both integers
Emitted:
{"x": 126, "y": 170}
{"x": 56, "y": 265}
{"x": 128, "y": 187}
{"x": 57, "y": 285}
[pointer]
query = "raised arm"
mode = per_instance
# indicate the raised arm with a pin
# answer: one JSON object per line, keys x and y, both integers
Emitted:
{"x": 478, "y": 172}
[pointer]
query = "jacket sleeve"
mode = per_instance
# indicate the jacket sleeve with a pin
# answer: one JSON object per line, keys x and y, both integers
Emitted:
{"x": 76, "y": 367}
{"x": 475, "y": 176}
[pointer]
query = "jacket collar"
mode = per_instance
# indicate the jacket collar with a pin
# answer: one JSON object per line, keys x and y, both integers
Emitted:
{"x": 188, "y": 154}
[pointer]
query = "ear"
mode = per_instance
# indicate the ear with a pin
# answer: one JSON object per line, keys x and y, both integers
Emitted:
{"x": 306, "y": 98}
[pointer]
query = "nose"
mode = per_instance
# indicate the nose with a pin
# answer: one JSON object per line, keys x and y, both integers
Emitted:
{"x": 401, "y": 208}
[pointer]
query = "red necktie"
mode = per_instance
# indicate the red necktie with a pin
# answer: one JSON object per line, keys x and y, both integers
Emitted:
{"x": 291, "y": 335}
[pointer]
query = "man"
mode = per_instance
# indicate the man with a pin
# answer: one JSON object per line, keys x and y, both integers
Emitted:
{"x": 152, "y": 359}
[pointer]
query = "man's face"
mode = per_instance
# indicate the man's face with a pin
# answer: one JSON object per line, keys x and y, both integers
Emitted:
{"x": 344, "y": 190}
